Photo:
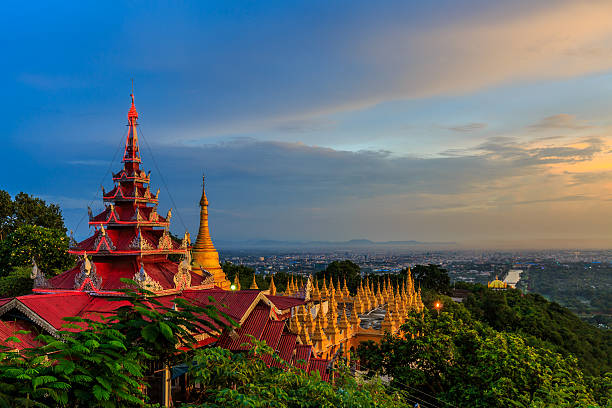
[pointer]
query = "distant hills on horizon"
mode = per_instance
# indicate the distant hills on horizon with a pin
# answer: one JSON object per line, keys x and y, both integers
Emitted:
{"x": 353, "y": 243}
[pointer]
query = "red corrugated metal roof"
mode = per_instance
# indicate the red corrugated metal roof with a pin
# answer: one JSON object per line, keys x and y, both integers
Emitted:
{"x": 254, "y": 325}
{"x": 302, "y": 352}
{"x": 237, "y": 302}
{"x": 273, "y": 332}
{"x": 53, "y": 308}
{"x": 285, "y": 348}
{"x": 284, "y": 302}
{"x": 319, "y": 365}
{"x": 9, "y": 329}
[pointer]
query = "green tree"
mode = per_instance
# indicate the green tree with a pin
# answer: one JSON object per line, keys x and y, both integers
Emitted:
{"x": 229, "y": 379}
{"x": 454, "y": 359}
{"x": 17, "y": 282}
{"x": 545, "y": 324}
{"x": 29, "y": 210}
{"x": 431, "y": 277}
{"x": 342, "y": 270}
{"x": 6, "y": 213}
{"x": 47, "y": 246}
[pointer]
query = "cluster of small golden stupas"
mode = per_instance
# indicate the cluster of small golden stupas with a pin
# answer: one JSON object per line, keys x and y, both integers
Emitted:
{"x": 332, "y": 315}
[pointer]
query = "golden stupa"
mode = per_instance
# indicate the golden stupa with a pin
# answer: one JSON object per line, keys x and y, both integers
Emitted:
{"x": 204, "y": 254}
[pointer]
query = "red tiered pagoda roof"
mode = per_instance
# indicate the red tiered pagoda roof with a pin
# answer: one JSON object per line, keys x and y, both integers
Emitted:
{"x": 130, "y": 228}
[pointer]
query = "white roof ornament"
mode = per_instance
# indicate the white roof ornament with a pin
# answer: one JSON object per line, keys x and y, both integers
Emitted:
{"x": 38, "y": 276}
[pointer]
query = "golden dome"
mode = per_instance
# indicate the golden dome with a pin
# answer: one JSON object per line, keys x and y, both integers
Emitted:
{"x": 497, "y": 284}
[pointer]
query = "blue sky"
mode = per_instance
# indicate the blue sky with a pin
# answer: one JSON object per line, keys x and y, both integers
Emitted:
{"x": 485, "y": 123}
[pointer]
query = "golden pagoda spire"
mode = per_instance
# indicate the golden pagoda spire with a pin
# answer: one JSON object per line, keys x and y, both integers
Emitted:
{"x": 379, "y": 296}
{"x": 290, "y": 286}
{"x": 357, "y": 304}
{"x": 345, "y": 290}
{"x": 254, "y": 284}
{"x": 294, "y": 287}
{"x": 204, "y": 255}
{"x": 308, "y": 319}
{"x": 339, "y": 294}
{"x": 354, "y": 319}
{"x": 236, "y": 281}
{"x": 315, "y": 296}
{"x": 420, "y": 304}
{"x": 373, "y": 296}
{"x": 397, "y": 311}
{"x": 331, "y": 330}
{"x": 303, "y": 335}
{"x": 367, "y": 303}
{"x": 324, "y": 293}
{"x": 294, "y": 324}
{"x": 344, "y": 325}
{"x": 272, "y": 287}
{"x": 388, "y": 324}
{"x": 318, "y": 338}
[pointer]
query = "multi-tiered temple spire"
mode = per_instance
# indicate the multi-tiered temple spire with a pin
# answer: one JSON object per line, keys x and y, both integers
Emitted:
{"x": 130, "y": 228}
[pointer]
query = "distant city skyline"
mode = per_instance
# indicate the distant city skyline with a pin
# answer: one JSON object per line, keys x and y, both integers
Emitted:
{"x": 480, "y": 123}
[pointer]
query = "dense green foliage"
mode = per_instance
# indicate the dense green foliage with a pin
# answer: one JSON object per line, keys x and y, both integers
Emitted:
{"x": 30, "y": 228}
{"x": 341, "y": 271}
{"x": 544, "y": 323}
{"x": 243, "y": 379}
{"x": 28, "y": 210}
{"x": 431, "y": 277}
{"x": 583, "y": 287}
{"x": 459, "y": 360}
{"x": 47, "y": 246}
{"x": 17, "y": 282}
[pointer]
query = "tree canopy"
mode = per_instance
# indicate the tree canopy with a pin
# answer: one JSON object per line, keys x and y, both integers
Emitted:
{"x": 28, "y": 210}
{"x": 341, "y": 271}
{"x": 49, "y": 247}
{"x": 454, "y": 359}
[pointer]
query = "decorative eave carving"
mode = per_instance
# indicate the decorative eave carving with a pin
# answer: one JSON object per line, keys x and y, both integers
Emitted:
{"x": 165, "y": 241}
{"x": 90, "y": 213}
{"x": 137, "y": 215}
{"x": 103, "y": 242}
{"x": 169, "y": 215}
{"x": 182, "y": 279}
{"x": 153, "y": 216}
{"x": 157, "y": 194}
{"x": 87, "y": 271}
{"x": 147, "y": 193}
{"x": 186, "y": 242}
{"x": 144, "y": 281}
{"x": 38, "y": 276}
{"x": 140, "y": 243}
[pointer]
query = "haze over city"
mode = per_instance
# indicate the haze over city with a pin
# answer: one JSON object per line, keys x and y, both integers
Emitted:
{"x": 478, "y": 123}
